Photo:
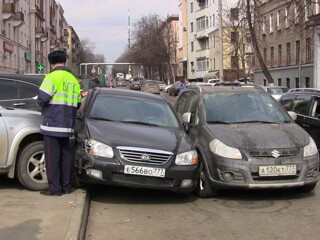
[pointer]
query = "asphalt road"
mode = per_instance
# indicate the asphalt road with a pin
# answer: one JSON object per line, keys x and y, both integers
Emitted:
{"x": 136, "y": 214}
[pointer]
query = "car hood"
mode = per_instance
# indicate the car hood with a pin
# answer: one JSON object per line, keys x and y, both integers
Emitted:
{"x": 133, "y": 135}
{"x": 259, "y": 135}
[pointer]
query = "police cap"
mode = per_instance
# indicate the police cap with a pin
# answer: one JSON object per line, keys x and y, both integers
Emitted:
{"x": 57, "y": 56}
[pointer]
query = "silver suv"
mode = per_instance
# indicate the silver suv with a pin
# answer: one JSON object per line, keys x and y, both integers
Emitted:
{"x": 21, "y": 148}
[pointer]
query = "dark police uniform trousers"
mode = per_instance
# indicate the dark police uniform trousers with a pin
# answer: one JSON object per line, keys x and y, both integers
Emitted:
{"x": 58, "y": 158}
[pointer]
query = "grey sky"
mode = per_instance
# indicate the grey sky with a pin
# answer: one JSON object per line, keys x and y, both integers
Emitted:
{"x": 105, "y": 22}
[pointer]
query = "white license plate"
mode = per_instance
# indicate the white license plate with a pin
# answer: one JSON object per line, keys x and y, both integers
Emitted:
{"x": 278, "y": 170}
{"x": 145, "y": 171}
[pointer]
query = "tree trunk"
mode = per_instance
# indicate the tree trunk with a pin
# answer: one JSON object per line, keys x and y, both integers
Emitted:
{"x": 256, "y": 45}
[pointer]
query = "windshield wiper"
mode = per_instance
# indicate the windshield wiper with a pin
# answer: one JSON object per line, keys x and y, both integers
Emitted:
{"x": 141, "y": 123}
{"x": 217, "y": 122}
{"x": 256, "y": 121}
{"x": 102, "y": 119}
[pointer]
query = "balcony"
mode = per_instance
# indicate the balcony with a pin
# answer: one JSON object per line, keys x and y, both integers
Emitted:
{"x": 44, "y": 37}
{"x": 8, "y": 11}
{"x": 39, "y": 32}
{"x": 18, "y": 19}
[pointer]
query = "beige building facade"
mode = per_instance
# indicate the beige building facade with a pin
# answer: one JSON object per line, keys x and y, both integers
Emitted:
{"x": 30, "y": 29}
{"x": 286, "y": 43}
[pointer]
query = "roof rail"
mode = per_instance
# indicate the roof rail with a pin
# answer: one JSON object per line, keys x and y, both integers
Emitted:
{"x": 304, "y": 90}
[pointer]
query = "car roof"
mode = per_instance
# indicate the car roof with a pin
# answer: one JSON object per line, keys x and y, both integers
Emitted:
{"x": 128, "y": 92}
{"x": 307, "y": 90}
{"x": 36, "y": 80}
{"x": 237, "y": 88}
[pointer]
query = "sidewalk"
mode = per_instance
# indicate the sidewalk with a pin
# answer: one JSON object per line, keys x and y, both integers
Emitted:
{"x": 30, "y": 215}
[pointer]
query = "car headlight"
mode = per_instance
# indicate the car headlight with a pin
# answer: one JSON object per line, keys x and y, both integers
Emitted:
{"x": 221, "y": 149}
{"x": 95, "y": 148}
{"x": 187, "y": 158}
{"x": 311, "y": 149}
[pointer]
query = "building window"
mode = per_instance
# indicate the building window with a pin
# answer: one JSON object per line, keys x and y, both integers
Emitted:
{"x": 308, "y": 82}
{"x": 286, "y": 17}
{"x": 202, "y": 64}
{"x": 192, "y": 47}
{"x": 271, "y": 22}
{"x": 191, "y": 7}
{"x": 298, "y": 52}
{"x": 265, "y": 55}
{"x": 272, "y": 56}
{"x": 201, "y": 23}
{"x": 264, "y": 24}
{"x": 279, "y": 82}
{"x": 213, "y": 20}
{"x": 191, "y": 27}
{"x": 192, "y": 66}
{"x": 308, "y": 50}
{"x": 234, "y": 37}
{"x": 279, "y": 55}
{"x": 279, "y": 20}
{"x": 234, "y": 62}
{"x": 297, "y": 83}
{"x": 288, "y": 54}
{"x": 264, "y": 82}
{"x": 288, "y": 82}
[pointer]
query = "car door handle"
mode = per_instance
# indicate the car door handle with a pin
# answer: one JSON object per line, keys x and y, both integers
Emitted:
{"x": 19, "y": 104}
{"x": 305, "y": 125}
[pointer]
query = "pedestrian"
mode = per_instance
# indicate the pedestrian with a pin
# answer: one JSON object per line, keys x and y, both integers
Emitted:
{"x": 182, "y": 85}
{"x": 94, "y": 81}
{"x": 59, "y": 98}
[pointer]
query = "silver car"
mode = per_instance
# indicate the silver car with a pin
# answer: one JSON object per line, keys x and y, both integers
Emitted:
{"x": 21, "y": 148}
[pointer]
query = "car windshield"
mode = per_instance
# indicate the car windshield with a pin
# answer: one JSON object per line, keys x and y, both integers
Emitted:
{"x": 133, "y": 110}
{"x": 226, "y": 107}
{"x": 277, "y": 90}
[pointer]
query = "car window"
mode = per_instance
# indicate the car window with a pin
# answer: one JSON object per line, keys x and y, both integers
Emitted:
{"x": 28, "y": 90}
{"x": 181, "y": 103}
{"x": 287, "y": 101}
{"x": 301, "y": 104}
{"x": 315, "y": 109}
{"x": 243, "y": 107}
{"x": 193, "y": 107}
{"x": 121, "y": 109}
{"x": 8, "y": 90}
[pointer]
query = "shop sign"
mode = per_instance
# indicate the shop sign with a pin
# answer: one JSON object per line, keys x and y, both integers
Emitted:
{"x": 8, "y": 47}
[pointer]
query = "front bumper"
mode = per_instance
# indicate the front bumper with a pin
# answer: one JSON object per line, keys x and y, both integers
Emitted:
{"x": 111, "y": 172}
{"x": 230, "y": 173}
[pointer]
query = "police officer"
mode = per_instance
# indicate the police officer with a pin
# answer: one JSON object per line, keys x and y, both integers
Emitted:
{"x": 59, "y": 98}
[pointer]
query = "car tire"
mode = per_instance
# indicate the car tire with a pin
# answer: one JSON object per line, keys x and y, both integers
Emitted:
{"x": 75, "y": 179}
{"x": 203, "y": 188}
{"x": 31, "y": 167}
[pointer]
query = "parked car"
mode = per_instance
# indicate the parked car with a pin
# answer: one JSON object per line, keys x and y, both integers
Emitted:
{"x": 19, "y": 91}
{"x": 246, "y": 139}
{"x": 135, "y": 84}
{"x": 121, "y": 82}
{"x": 276, "y": 91}
{"x": 21, "y": 148}
{"x": 150, "y": 86}
{"x": 306, "y": 104}
{"x": 131, "y": 138}
{"x": 162, "y": 85}
{"x": 174, "y": 88}
{"x": 213, "y": 81}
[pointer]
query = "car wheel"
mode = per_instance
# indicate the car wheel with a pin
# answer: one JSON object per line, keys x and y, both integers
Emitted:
{"x": 307, "y": 188}
{"x": 203, "y": 188}
{"x": 31, "y": 167}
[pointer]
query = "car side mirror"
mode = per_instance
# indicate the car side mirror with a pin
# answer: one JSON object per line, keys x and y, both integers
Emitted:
{"x": 293, "y": 115}
{"x": 79, "y": 115}
{"x": 186, "y": 119}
